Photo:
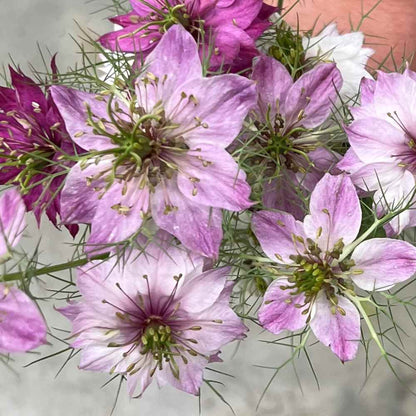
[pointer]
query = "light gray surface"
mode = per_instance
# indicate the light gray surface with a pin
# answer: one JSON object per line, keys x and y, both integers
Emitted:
{"x": 36, "y": 392}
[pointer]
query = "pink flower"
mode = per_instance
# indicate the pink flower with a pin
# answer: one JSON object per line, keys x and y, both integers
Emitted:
{"x": 158, "y": 316}
{"x": 285, "y": 115}
{"x": 226, "y": 29}
{"x": 382, "y": 158}
{"x": 159, "y": 153}
{"x": 320, "y": 273}
{"x": 22, "y": 327}
{"x": 33, "y": 142}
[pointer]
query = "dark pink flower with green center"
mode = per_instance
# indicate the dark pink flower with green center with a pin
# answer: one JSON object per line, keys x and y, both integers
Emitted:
{"x": 33, "y": 140}
{"x": 160, "y": 152}
{"x": 157, "y": 317}
{"x": 22, "y": 327}
{"x": 317, "y": 270}
{"x": 225, "y": 29}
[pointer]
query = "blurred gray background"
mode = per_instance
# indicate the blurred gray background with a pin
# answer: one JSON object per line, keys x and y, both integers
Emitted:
{"x": 36, "y": 391}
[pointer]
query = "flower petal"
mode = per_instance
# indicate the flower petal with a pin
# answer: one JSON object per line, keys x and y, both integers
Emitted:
{"x": 12, "y": 220}
{"x": 279, "y": 311}
{"x": 311, "y": 97}
{"x": 277, "y": 232}
{"x": 174, "y": 61}
{"x": 198, "y": 227}
{"x": 119, "y": 214}
{"x": 335, "y": 212}
{"x": 273, "y": 82}
{"x": 219, "y": 324}
{"x": 213, "y": 178}
{"x": 202, "y": 291}
{"x": 79, "y": 200}
{"x": 22, "y": 327}
{"x": 209, "y": 102}
{"x": 72, "y": 106}
{"x": 375, "y": 140}
{"x": 381, "y": 263}
{"x": 339, "y": 332}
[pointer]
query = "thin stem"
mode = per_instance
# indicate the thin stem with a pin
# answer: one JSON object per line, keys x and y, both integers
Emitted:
{"x": 50, "y": 269}
{"x": 357, "y": 302}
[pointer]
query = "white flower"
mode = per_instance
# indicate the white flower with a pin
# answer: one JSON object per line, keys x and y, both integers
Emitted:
{"x": 346, "y": 51}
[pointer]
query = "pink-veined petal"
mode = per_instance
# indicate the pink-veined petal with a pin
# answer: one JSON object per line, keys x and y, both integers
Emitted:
{"x": 335, "y": 330}
{"x": 381, "y": 263}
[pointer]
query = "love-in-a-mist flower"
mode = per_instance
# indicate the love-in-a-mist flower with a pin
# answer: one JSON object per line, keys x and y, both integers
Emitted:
{"x": 157, "y": 316}
{"x": 315, "y": 272}
{"x": 225, "y": 29}
{"x": 346, "y": 50}
{"x": 287, "y": 111}
{"x": 33, "y": 140}
{"x": 22, "y": 327}
{"x": 159, "y": 152}
{"x": 382, "y": 136}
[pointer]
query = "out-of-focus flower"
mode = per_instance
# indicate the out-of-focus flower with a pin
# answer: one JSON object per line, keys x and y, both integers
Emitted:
{"x": 285, "y": 115}
{"x": 161, "y": 152}
{"x": 346, "y": 51}
{"x": 226, "y": 29}
{"x": 158, "y": 316}
{"x": 319, "y": 272}
{"x": 382, "y": 136}
{"x": 12, "y": 221}
{"x": 33, "y": 140}
{"x": 22, "y": 327}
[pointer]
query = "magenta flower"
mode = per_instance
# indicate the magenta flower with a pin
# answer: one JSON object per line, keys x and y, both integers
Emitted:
{"x": 33, "y": 141}
{"x": 226, "y": 29}
{"x": 319, "y": 272}
{"x": 382, "y": 158}
{"x": 160, "y": 153}
{"x": 159, "y": 316}
{"x": 285, "y": 115}
{"x": 22, "y": 327}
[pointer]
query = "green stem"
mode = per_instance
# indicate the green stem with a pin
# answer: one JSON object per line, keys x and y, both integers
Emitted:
{"x": 280, "y": 5}
{"x": 50, "y": 269}
{"x": 354, "y": 299}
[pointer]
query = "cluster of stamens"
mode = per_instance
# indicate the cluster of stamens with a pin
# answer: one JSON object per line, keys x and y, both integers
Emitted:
{"x": 31, "y": 158}
{"x": 314, "y": 273}
{"x": 144, "y": 142}
{"x": 158, "y": 334}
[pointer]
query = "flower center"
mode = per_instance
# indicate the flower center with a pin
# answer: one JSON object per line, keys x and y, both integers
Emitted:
{"x": 310, "y": 277}
{"x": 142, "y": 141}
{"x": 157, "y": 340}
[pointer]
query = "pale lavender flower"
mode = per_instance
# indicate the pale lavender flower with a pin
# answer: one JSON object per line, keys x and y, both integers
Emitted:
{"x": 382, "y": 158}
{"x": 285, "y": 116}
{"x": 22, "y": 327}
{"x": 318, "y": 272}
{"x": 158, "y": 316}
{"x": 160, "y": 153}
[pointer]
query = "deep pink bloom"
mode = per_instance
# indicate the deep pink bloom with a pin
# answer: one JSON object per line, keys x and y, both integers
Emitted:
{"x": 312, "y": 256}
{"x": 226, "y": 29}
{"x": 33, "y": 141}
{"x": 160, "y": 153}
{"x": 22, "y": 327}
{"x": 158, "y": 316}
{"x": 382, "y": 158}
{"x": 286, "y": 114}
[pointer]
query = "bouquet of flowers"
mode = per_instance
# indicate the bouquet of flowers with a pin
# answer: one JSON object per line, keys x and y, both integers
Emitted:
{"x": 220, "y": 176}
